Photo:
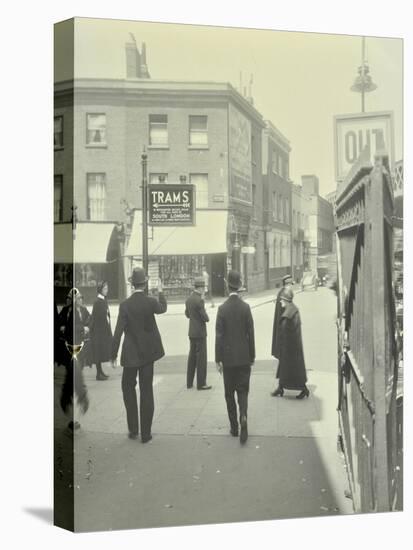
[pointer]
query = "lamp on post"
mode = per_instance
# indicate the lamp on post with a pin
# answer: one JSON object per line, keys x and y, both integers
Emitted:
{"x": 144, "y": 162}
{"x": 363, "y": 82}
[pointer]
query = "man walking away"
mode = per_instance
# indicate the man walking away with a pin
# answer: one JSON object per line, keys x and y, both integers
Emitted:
{"x": 142, "y": 346}
{"x": 235, "y": 353}
{"x": 198, "y": 317}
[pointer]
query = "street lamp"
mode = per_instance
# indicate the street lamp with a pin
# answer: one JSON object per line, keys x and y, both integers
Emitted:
{"x": 363, "y": 82}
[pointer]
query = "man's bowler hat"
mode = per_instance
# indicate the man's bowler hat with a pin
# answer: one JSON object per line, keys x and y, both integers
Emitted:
{"x": 234, "y": 279}
{"x": 138, "y": 277}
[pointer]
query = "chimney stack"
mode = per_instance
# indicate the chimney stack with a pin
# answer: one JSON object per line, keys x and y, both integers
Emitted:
{"x": 136, "y": 66}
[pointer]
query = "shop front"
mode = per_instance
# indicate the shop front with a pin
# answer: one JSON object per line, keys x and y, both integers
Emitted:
{"x": 177, "y": 254}
{"x": 81, "y": 262}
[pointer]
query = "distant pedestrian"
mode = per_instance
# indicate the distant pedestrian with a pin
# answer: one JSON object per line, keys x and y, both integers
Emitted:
{"x": 291, "y": 370}
{"x": 235, "y": 353}
{"x": 142, "y": 346}
{"x": 287, "y": 282}
{"x": 73, "y": 332}
{"x": 198, "y": 317}
{"x": 208, "y": 290}
{"x": 100, "y": 331}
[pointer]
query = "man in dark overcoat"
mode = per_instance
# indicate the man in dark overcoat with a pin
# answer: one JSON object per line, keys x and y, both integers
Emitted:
{"x": 142, "y": 346}
{"x": 291, "y": 368}
{"x": 197, "y": 332}
{"x": 235, "y": 353}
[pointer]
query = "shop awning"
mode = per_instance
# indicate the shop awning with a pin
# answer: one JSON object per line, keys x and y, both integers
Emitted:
{"x": 89, "y": 247}
{"x": 208, "y": 236}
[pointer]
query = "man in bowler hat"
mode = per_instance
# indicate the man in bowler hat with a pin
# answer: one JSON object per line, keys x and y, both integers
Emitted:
{"x": 198, "y": 317}
{"x": 287, "y": 282}
{"x": 142, "y": 346}
{"x": 235, "y": 352}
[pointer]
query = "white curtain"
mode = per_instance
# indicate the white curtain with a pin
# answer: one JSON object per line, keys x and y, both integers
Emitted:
{"x": 96, "y": 196}
{"x": 96, "y": 128}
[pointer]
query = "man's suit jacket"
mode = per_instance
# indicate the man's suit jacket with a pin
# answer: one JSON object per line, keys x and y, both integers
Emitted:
{"x": 142, "y": 343}
{"x": 234, "y": 338}
{"x": 198, "y": 317}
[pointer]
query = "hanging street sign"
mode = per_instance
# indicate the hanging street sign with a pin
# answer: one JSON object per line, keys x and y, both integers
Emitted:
{"x": 171, "y": 204}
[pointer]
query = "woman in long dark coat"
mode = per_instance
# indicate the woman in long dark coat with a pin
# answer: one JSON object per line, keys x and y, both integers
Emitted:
{"x": 291, "y": 368}
{"x": 100, "y": 331}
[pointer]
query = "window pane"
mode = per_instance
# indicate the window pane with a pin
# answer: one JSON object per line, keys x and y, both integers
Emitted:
{"x": 201, "y": 186}
{"x": 96, "y": 188}
{"x": 198, "y": 134}
{"x": 58, "y": 184}
{"x": 96, "y": 128}
{"x": 158, "y": 129}
{"x": 154, "y": 178}
{"x": 58, "y": 131}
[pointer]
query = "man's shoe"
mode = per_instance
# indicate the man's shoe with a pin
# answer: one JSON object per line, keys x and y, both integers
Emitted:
{"x": 205, "y": 387}
{"x": 146, "y": 439}
{"x": 234, "y": 432}
{"x": 244, "y": 429}
{"x": 133, "y": 436}
{"x": 102, "y": 377}
{"x": 189, "y": 387}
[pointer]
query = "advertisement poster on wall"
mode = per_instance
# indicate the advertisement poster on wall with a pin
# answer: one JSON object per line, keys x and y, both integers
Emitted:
{"x": 240, "y": 156}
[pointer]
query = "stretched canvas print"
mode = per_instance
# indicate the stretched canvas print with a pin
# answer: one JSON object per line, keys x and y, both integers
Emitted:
{"x": 228, "y": 274}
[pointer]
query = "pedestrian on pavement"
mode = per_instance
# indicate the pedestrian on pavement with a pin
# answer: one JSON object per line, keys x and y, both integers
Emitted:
{"x": 198, "y": 317}
{"x": 100, "y": 331}
{"x": 291, "y": 368}
{"x": 235, "y": 353}
{"x": 287, "y": 282}
{"x": 142, "y": 346}
{"x": 73, "y": 332}
{"x": 208, "y": 291}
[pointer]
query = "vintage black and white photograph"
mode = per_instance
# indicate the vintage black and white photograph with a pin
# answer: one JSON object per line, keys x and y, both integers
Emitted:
{"x": 228, "y": 274}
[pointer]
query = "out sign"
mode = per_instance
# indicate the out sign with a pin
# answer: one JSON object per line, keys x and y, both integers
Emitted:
{"x": 354, "y": 132}
{"x": 356, "y": 141}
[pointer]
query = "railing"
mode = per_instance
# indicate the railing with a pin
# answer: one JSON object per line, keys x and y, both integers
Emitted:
{"x": 367, "y": 348}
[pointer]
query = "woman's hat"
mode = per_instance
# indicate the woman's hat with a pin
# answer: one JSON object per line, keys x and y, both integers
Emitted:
{"x": 138, "y": 277}
{"x": 234, "y": 279}
{"x": 100, "y": 286}
{"x": 198, "y": 282}
{"x": 287, "y": 279}
{"x": 287, "y": 294}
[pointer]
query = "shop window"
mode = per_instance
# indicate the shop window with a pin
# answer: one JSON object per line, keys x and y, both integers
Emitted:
{"x": 200, "y": 181}
{"x": 96, "y": 195}
{"x": 198, "y": 130}
{"x": 58, "y": 132}
{"x": 158, "y": 129}
{"x": 58, "y": 198}
{"x": 96, "y": 129}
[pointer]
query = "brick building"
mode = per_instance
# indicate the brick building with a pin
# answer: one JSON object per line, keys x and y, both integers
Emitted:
{"x": 321, "y": 227}
{"x": 204, "y": 133}
{"x": 277, "y": 206}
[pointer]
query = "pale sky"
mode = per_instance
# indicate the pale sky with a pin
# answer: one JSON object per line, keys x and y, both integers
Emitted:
{"x": 300, "y": 80}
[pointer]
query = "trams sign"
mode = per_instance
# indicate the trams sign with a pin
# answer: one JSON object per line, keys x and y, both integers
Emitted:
{"x": 171, "y": 204}
{"x": 354, "y": 132}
